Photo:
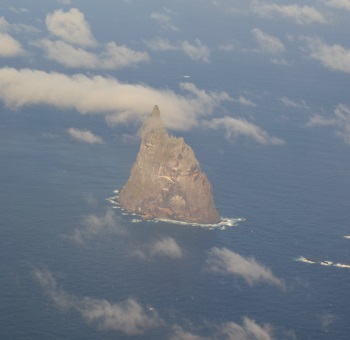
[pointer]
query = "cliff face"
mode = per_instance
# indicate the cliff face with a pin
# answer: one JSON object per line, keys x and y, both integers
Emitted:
{"x": 166, "y": 180}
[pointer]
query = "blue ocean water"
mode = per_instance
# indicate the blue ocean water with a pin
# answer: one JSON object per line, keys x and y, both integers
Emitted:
{"x": 294, "y": 200}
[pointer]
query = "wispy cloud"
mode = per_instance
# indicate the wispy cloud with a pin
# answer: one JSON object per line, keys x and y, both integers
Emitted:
{"x": 225, "y": 261}
{"x": 249, "y": 330}
{"x": 9, "y": 47}
{"x": 166, "y": 247}
{"x": 287, "y": 102}
{"x": 128, "y": 316}
{"x": 106, "y": 95}
{"x": 340, "y": 4}
{"x": 268, "y": 43}
{"x": 93, "y": 225}
{"x": 197, "y": 51}
{"x": 334, "y": 57}
{"x": 299, "y": 14}
{"x": 164, "y": 18}
{"x": 71, "y": 27}
{"x": 239, "y": 127}
{"x": 75, "y": 36}
{"x": 244, "y": 101}
{"x": 340, "y": 120}
{"x": 84, "y": 136}
{"x": 5, "y": 26}
{"x": 112, "y": 57}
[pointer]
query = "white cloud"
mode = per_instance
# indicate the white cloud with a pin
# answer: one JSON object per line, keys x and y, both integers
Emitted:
{"x": 70, "y": 26}
{"x": 94, "y": 225}
{"x": 164, "y": 19}
{"x": 84, "y": 136}
{"x": 245, "y": 101}
{"x": 299, "y": 14}
{"x": 340, "y": 120}
{"x": 128, "y": 316}
{"x": 294, "y": 104}
{"x": 267, "y": 42}
{"x": 19, "y": 10}
{"x": 113, "y": 57}
{"x": 108, "y": 96}
{"x": 197, "y": 51}
{"x": 249, "y": 330}
{"x": 9, "y": 47}
{"x": 334, "y": 57}
{"x": 166, "y": 247}
{"x": 227, "y": 262}
{"x": 237, "y": 127}
{"x": 340, "y": 4}
{"x": 160, "y": 44}
{"x": 5, "y": 26}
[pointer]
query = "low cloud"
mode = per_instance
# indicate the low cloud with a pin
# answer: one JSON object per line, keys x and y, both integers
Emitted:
{"x": 249, "y": 330}
{"x": 239, "y": 127}
{"x": 294, "y": 104}
{"x": 84, "y": 136}
{"x": 112, "y": 57}
{"x": 268, "y": 43}
{"x": 164, "y": 18}
{"x": 166, "y": 247}
{"x": 245, "y": 101}
{"x": 334, "y": 57}
{"x": 225, "y": 261}
{"x": 197, "y": 51}
{"x": 340, "y": 4}
{"x": 9, "y": 47}
{"x": 128, "y": 316}
{"x": 93, "y": 225}
{"x": 71, "y": 27}
{"x": 301, "y": 15}
{"x": 340, "y": 120}
{"x": 121, "y": 102}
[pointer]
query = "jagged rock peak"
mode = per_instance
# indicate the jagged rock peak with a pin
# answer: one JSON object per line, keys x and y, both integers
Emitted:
{"x": 155, "y": 112}
{"x": 166, "y": 180}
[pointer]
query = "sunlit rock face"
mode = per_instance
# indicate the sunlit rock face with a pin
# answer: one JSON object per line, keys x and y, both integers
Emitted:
{"x": 166, "y": 180}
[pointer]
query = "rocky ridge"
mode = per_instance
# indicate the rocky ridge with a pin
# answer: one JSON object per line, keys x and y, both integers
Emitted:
{"x": 166, "y": 180}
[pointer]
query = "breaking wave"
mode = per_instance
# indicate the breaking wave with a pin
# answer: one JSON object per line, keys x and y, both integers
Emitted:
{"x": 347, "y": 236}
{"x": 322, "y": 263}
{"x": 225, "y": 222}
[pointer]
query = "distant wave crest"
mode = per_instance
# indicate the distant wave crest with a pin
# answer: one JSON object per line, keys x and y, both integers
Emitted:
{"x": 322, "y": 263}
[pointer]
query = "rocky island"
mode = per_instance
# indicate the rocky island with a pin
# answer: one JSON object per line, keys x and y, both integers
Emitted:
{"x": 166, "y": 181}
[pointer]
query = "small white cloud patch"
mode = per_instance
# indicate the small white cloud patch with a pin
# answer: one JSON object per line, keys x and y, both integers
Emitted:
{"x": 334, "y": 57}
{"x": 268, "y": 43}
{"x": 340, "y": 120}
{"x": 95, "y": 225}
{"x": 227, "y": 262}
{"x": 128, "y": 316}
{"x": 237, "y": 127}
{"x": 70, "y": 26}
{"x": 9, "y": 47}
{"x": 85, "y": 136}
{"x": 166, "y": 247}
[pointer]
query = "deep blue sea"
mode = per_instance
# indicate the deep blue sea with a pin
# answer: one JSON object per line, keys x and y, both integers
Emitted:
{"x": 293, "y": 200}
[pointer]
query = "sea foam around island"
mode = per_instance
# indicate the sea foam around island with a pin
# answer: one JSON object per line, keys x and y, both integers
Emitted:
{"x": 226, "y": 222}
{"x": 322, "y": 263}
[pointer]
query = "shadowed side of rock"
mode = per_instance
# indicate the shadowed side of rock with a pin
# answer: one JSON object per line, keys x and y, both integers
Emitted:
{"x": 166, "y": 180}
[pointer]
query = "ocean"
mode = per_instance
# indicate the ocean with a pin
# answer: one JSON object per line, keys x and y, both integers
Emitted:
{"x": 66, "y": 250}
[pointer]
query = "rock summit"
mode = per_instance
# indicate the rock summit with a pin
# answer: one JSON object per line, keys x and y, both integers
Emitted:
{"x": 166, "y": 181}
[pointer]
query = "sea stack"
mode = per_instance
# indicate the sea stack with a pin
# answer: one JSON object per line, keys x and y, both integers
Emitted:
{"x": 166, "y": 181}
